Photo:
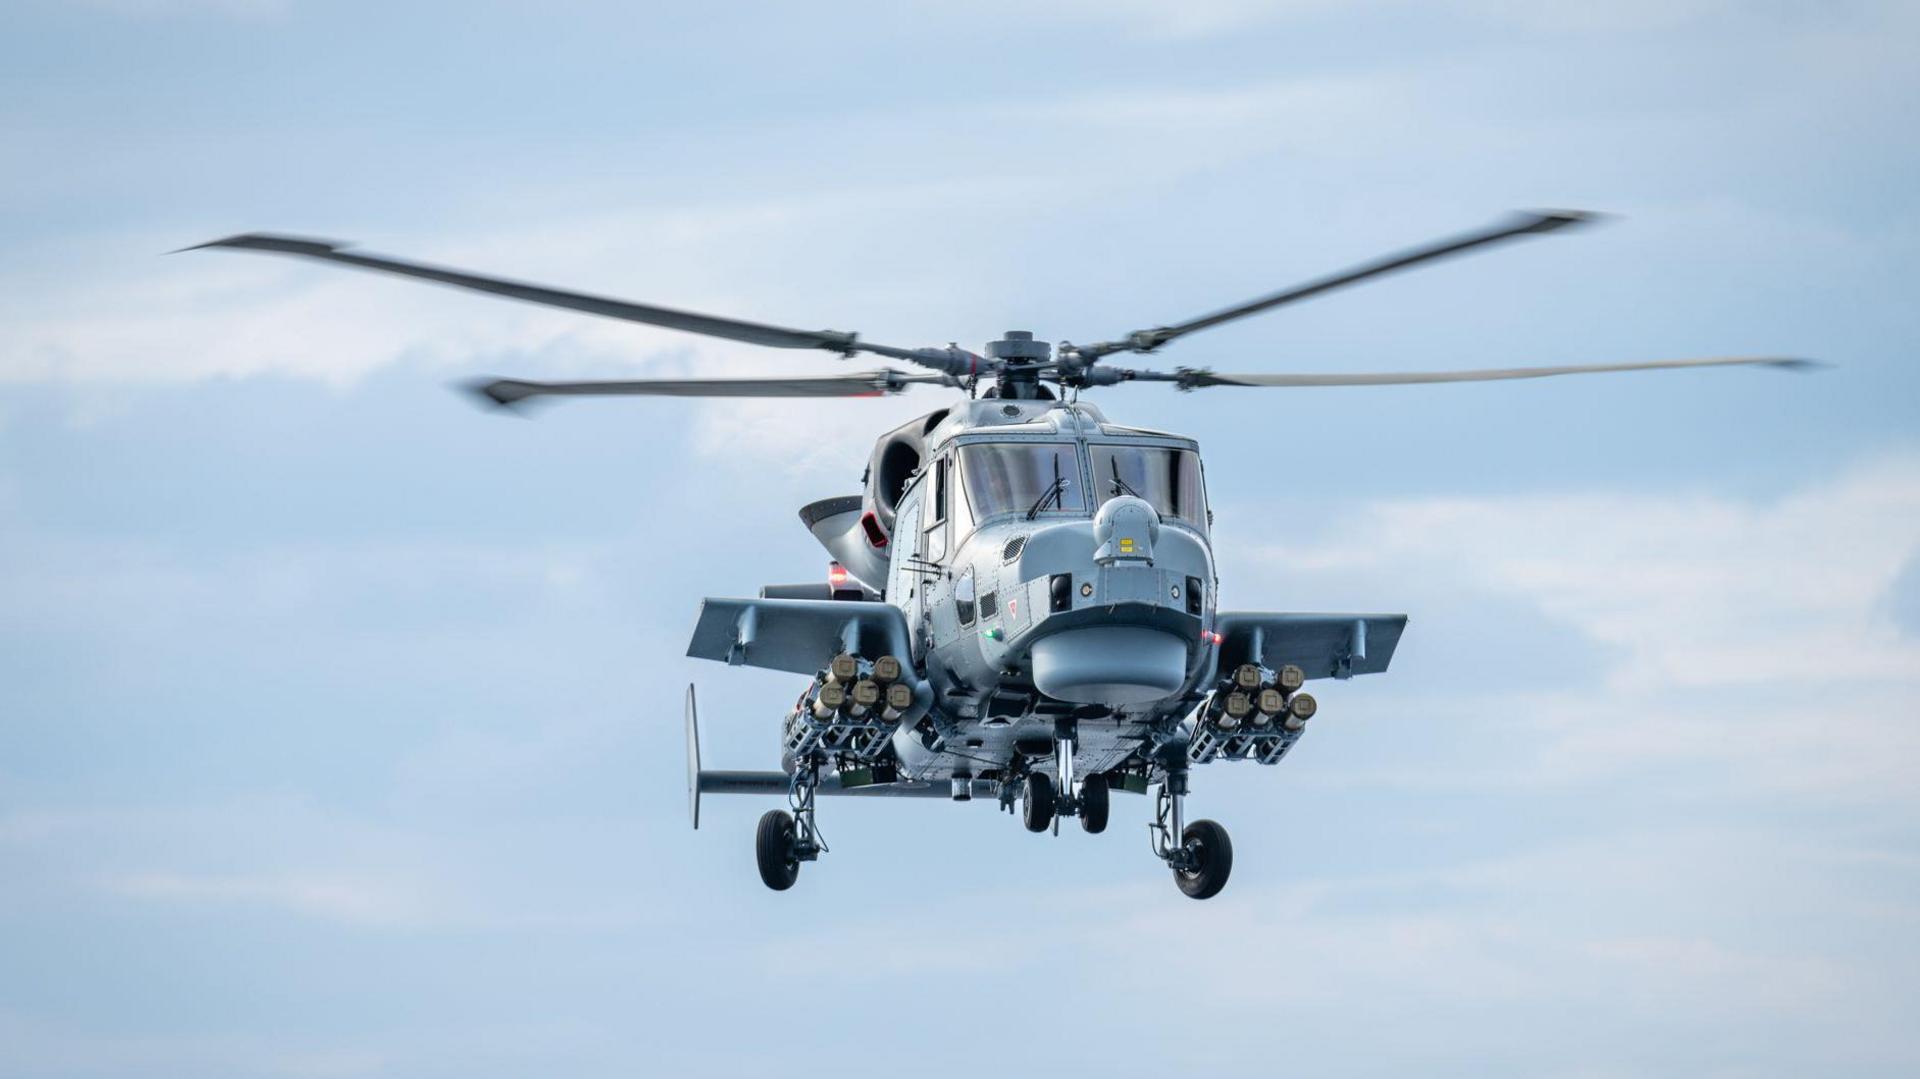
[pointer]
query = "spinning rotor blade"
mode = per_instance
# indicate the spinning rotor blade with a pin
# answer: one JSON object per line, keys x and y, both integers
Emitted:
{"x": 1196, "y": 378}
{"x": 510, "y": 391}
{"x": 950, "y": 360}
{"x": 1525, "y": 224}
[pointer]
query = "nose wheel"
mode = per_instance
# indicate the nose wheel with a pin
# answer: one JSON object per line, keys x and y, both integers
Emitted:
{"x": 1045, "y": 798}
{"x": 1037, "y": 802}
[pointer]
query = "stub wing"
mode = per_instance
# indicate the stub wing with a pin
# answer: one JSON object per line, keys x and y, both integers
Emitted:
{"x": 798, "y": 635}
{"x": 1323, "y": 645}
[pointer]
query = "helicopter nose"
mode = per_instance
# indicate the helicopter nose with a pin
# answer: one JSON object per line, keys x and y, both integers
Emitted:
{"x": 1116, "y": 664}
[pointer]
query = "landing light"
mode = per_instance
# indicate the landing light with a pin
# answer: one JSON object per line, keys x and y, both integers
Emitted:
{"x": 836, "y": 575}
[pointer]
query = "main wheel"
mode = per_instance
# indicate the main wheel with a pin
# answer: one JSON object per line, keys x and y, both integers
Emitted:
{"x": 1210, "y": 857}
{"x": 1037, "y": 802}
{"x": 1094, "y": 804}
{"x": 773, "y": 848}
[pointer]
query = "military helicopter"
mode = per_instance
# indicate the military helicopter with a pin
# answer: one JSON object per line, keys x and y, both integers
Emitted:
{"x": 1022, "y": 602}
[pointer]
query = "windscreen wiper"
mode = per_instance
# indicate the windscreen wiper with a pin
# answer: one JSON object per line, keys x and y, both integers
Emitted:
{"x": 1119, "y": 485}
{"x": 1055, "y": 491}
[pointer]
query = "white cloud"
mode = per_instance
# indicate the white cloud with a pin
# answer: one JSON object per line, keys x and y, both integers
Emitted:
{"x": 379, "y": 902}
{"x": 285, "y": 859}
{"x": 1755, "y": 635}
{"x": 96, "y": 308}
{"x": 1695, "y": 591}
{"x": 1147, "y": 19}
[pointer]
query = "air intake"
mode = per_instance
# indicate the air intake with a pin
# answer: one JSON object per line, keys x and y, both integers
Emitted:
{"x": 1014, "y": 547}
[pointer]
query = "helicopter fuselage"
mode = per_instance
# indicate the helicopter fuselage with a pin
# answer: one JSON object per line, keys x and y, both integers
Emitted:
{"x": 1055, "y": 572}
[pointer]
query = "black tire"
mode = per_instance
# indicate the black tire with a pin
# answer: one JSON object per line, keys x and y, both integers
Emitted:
{"x": 773, "y": 848}
{"x": 1037, "y": 802}
{"x": 1094, "y": 804}
{"x": 1212, "y": 857}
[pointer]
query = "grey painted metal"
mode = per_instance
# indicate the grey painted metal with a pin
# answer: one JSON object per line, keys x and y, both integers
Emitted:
{"x": 1110, "y": 665}
{"x": 693, "y": 759}
{"x": 1190, "y": 378}
{"x": 1019, "y": 345}
{"x": 952, "y": 361}
{"x": 796, "y": 635}
{"x": 1519, "y": 225}
{"x": 836, "y": 523}
{"x": 510, "y": 391}
{"x": 753, "y": 333}
{"x": 1017, "y": 362}
{"x": 779, "y": 783}
{"x": 1322, "y": 645}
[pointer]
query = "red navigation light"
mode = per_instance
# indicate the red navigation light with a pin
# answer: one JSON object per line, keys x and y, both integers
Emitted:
{"x": 836, "y": 575}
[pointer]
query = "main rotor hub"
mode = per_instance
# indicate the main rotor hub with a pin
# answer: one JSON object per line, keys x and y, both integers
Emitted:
{"x": 1019, "y": 346}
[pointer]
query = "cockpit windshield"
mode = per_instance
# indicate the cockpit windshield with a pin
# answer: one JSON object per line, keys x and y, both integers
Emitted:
{"x": 1166, "y": 477}
{"x": 1027, "y": 477}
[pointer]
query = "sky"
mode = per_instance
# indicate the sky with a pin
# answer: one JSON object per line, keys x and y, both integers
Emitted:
{"x": 340, "y": 723}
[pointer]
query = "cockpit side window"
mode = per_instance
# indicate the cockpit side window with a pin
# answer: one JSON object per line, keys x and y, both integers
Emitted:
{"x": 938, "y": 499}
{"x": 1008, "y": 477}
{"x": 934, "y": 544}
{"x": 964, "y": 599}
{"x": 1166, "y": 477}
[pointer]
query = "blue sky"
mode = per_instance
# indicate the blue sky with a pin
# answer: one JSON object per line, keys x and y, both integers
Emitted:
{"x": 339, "y": 721}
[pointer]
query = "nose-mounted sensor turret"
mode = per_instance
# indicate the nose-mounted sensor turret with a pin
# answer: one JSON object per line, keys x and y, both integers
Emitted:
{"x": 1125, "y": 530}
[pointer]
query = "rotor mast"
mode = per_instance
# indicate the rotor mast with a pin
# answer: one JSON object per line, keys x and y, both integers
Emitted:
{"x": 1018, "y": 361}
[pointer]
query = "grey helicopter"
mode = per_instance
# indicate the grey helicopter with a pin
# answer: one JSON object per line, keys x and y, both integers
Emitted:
{"x": 1022, "y": 602}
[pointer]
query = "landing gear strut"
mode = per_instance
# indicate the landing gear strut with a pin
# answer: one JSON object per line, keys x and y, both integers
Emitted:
{"x": 1047, "y": 798}
{"x": 1203, "y": 858}
{"x": 785, "y": 839}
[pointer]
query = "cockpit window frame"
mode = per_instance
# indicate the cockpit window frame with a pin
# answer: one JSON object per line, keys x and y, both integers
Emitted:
{"x": 1202, "y": 525}
{"x": 936, "y": 533}
{"x": 1078, "y": 478}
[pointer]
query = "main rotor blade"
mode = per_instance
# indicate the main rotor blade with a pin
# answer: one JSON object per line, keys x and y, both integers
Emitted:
{"x": 1190, "y": 378}
{"x": 511, "y": 391}
{"x": 1525, "y": 224}
{"x": 753, "y": 333}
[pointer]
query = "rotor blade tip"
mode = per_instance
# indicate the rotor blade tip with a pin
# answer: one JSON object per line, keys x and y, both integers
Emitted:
{"x": 497, "y": 394}
{"x": 1799, "y": 363}
{"x": 1552, "y": 220}
{"x": 268, "y": 241}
